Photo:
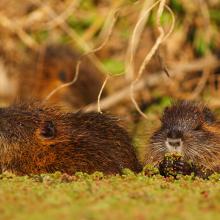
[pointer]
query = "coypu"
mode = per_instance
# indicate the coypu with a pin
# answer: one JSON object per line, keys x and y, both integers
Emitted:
{"x": 191, "y": 130}
{"x": 54, "y": 66}
{"x": 41, "y": 139}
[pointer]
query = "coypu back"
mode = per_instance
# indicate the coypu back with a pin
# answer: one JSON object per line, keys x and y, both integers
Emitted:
{"x": 44, "y": 139}
{"x": 54, "y": 66}
{"x": 191, "y": 130}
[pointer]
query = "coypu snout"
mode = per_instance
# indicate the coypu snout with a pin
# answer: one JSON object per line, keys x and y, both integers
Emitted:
{"x": 174, "y": 141}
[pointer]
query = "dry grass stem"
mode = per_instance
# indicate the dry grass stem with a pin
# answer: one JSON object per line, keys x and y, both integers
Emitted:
{"x": 172, "y": 23}
{"x": 135, "y": 39}
{"x": 60, "y": 19}
{"x": 76, "y": 38}
{"x": 149, "y": 55}
{"x": 154, "y": 80}
{"x": 107, "y": 31}
{"x": 201, "y": 84}
{"x": 100, "y": 94}
{"x": 66, "y": 84}
{"x": 14, "y": 27}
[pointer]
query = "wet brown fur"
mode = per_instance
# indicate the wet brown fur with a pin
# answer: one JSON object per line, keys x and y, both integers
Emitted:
{"x": 200, "y": 134}
{"x": 43, "y": 140}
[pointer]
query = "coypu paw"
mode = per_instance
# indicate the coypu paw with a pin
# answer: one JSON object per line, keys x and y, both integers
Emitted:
{"x": 172, "y": 165}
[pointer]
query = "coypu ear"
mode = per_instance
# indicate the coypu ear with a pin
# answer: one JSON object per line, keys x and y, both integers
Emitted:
{"x": 48, "y": 130}
{"x": 165, "y": 111}
{"x": 208, "y": 115}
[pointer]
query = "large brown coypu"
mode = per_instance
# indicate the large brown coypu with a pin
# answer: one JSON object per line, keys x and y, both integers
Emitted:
{"x": 52, "y": 67}
{"x": 39, "y": 139}
{"x": 190, "y": 132}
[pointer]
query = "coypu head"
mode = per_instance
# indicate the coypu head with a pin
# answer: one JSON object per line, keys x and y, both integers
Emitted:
{"x": 30, "y": 132}
{"x": 188, "y": 129}
{"x": 58, "y": 64}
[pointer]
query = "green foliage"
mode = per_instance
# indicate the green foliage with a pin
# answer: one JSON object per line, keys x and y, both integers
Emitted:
{"x": 80, "y": 25}
{"x": 158, "y": 107}
{"x": 165, "y": 18}
{"x": 40, "y": 36}
{"x": 201, "y": 45}
{"x": 87, "y": 5}
{"x": 113, "y": 66}
{"x": 215, "y": 15}
{"x": 176, "y": 6}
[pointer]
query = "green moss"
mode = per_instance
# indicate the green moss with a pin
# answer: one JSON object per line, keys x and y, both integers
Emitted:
{"x": 129, "y": 196}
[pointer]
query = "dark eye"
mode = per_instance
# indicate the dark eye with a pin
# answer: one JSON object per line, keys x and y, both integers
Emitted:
{"x": 198, "y": 127}
{"x": 48, "y": 130}
{"x": 62, "y": 76}
{"x": 20, "y": 124}
{"x": 208, "y": 115}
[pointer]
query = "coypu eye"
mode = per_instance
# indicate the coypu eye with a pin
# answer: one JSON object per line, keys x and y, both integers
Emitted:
{"x": 62, "y": 76}
{"x": 208, "y": 115}
{"x": 48, "y": 130}
{"x": 198, "y": 127}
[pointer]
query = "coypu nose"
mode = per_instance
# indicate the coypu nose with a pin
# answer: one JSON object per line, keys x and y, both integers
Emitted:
{"x": 174, "y": 134}
{"x": 174, "y": 141}
{"x": 174, "y": 144}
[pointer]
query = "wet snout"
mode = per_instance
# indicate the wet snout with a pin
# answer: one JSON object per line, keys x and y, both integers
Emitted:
{"x": 174, "y": 141}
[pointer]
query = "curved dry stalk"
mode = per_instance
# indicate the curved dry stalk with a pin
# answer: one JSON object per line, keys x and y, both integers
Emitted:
{"x": 14, "y": 27}
{"x": 160, "y": 11}
{"x": 74, "y": 36}
{"x": 100, "y": 94}
{"x": 116, "y": 97}
{"x": 172, "y": 24}
{"x": 107, "y": 31}
{"x": 149, "y": 56}
{"x": 200, "y": 85}
{"x": 138, "y": 29}
{"x": 154, "y": 80}
{"x": 66, "y": 84}
{"x": 161, "y": 61}
{"x": 59, "y": 19}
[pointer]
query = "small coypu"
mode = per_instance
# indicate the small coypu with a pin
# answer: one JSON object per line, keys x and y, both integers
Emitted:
{"x": 44, "y": 139}
{"x": 189, "y": 129}
{"x": 54, "y": 66}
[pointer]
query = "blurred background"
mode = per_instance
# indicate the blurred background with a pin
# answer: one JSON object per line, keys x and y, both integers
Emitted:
{"x": 42, "y": 42}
